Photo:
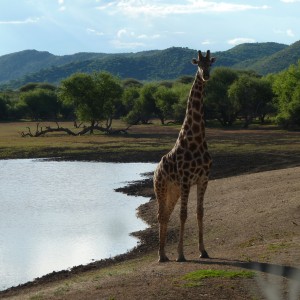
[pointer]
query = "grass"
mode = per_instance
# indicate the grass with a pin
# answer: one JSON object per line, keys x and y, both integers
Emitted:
{"x": 193, "y": 279}
{"x": 97, "y": 146}
{"x": 142, "y": 143}
{"x": 278, "y": 247}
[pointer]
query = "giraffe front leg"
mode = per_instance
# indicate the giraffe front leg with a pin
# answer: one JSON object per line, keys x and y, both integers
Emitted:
{"x": 162, "y": 241}
{"x": 163, "y": 219}
{"x": 201, "y": 188}
{"x": 183, "y": 217}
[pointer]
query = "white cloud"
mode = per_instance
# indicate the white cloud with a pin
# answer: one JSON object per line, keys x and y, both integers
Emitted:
{"x": 62, "y": 7}
{"x": 128, "y": 39}
{"x": 20, "y": 22}
{"x": 121, "y": 32}
{"x": 159, "y": 8}
{"x": 145, "y": 36}
{"x": 290, "y": 33}
{"x": 238, "y": 41}
{"x": 93, "y": 31}
{"x": 126, "y": 45}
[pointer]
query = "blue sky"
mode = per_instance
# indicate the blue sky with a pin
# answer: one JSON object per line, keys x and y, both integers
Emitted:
{"x": 70, "y": 26}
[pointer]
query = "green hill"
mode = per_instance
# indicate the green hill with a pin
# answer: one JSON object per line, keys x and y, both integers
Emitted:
{"x": 279, "y": 60}
{"x": 19, "y": 68}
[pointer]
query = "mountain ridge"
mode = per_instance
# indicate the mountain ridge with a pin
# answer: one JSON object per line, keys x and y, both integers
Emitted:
{"x": 19, "y": 68}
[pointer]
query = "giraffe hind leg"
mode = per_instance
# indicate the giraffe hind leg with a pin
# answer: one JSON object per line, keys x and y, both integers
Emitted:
{"x": 183, "y": 217}
{"x": 201, "y": 188}
{"x": 166, "y": 203}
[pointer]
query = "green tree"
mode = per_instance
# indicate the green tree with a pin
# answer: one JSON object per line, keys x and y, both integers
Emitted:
{"x": 131, "y": 82}
{"x": 250, "y": 96}
{"x": 217, "y": 103}
{"x": 3, "y": 108}
{"x": 41, "y": 104}
{"x": 37, "y": 85}
{"x": 286, "y": 87}
{"x": 144, "y": 107}
{"x": 94, "y": 97}
{"x": 165, "y": 98}
{"x": 130, "y": 96}
{"x": 179, "y": 108}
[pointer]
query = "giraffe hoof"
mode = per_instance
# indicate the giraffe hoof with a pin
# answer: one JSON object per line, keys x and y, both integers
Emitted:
{"x": 204, "y": 254}
{"x": 181, "y": 259}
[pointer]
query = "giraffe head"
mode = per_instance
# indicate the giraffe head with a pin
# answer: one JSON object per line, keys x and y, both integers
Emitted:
{"x": 204, "y": 63}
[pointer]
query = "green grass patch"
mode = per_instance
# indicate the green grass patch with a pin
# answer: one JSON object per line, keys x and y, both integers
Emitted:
{"x": 194, "y": 278}
{"x": 278, "y": 247}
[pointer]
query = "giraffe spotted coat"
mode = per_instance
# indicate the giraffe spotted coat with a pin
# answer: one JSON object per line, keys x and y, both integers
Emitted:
{"x": 187, "y": 164}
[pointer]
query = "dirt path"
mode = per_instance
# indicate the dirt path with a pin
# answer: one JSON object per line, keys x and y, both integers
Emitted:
{"x": 251, "y": 222}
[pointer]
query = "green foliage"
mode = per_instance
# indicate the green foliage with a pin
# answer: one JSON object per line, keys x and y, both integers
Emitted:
{"x": 250, "y": 97}
{"x": 3, "y": 108}
{"x": 186, "y": 79}
{"x": 165, "y": 98}
{"x": 94, "y": 97}
{"x": 179, "y": 108}
{"x": 244, "y": 56}
{"x": 35, "y": 85}
{"x": 278, "y": 61}
{"x": 131, "y": 82}
{"x": 218, "y": 104}
{"x": 286, "y": 87}
{"x": 41, "y": 104}
{"x": 229, "y": 95}
{"x": 130, "y": 96}
{"x": 144, "y": 107}
{"x": 168, "y": 64}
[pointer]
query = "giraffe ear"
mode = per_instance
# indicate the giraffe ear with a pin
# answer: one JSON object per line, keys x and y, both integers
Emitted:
{"x": 194, "y": 61}
{"x": 213, "y": 59}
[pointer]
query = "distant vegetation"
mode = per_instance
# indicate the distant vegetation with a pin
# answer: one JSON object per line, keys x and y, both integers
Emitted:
{"x": 231, "y": 97}
{"x": 18, "y": 69}
{"x": 137, "y": 87}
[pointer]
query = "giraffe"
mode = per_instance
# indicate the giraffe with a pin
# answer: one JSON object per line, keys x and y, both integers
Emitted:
{"x": 187, "y": 164}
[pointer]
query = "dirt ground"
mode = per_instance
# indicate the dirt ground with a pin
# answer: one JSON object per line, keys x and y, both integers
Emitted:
{"x": 252, "y": 222}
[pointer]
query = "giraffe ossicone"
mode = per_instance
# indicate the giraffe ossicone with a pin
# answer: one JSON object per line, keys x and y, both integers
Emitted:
{"x": 187, "y": 164}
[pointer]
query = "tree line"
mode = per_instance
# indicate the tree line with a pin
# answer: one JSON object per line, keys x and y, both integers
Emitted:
{"x": 231, "y": 96}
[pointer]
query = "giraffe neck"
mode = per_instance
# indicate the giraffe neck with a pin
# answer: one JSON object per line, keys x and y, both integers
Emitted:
{"x": 193, "y": 126}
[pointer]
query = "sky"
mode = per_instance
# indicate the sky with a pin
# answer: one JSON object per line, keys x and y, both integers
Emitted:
{"x": 70, "y": 26}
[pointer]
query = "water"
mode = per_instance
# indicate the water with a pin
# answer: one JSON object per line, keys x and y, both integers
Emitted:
{"x": 55, "y": 215}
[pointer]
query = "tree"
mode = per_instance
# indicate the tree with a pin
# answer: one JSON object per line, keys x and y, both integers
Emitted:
{"x": 217, "y": 103}
{"x": 37, "y": 85}
{"x": 265, "y": 103}
{"x": 3, "y": 108}
{"x": 94, "y": 96}
{"x": 165, "y": 98}
{"x": 41, "y": 104}
{"x": 131, "y": 82}
{"x": 179, "y": 108}
{"x": 250, "y": 96}
{"x": 186, "y": 79}
{"x": 286, "y": 87}
{"x": 144, "y": 107}
{"x": 130, "y": 96}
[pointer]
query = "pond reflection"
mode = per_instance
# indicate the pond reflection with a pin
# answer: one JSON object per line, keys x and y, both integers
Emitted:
{"x": 55, "y": 215}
